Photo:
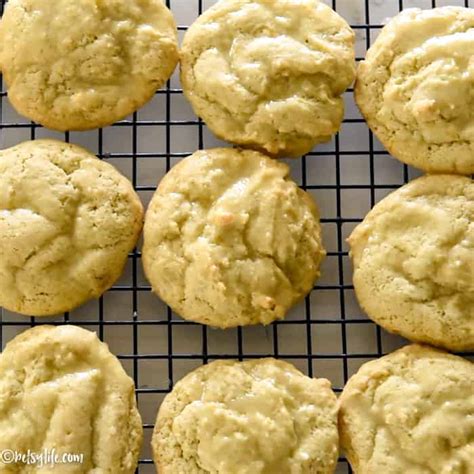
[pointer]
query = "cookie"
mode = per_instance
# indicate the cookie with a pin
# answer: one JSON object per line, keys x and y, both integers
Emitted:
{"x": 410, "y": 412}
{"x": 269, "y": 75}
{"x": 83, "y": 64}
{"x": 413, "y": 259}
{"x": 62, "y": 391}
{"x": 230, "y": 239}
{"x": 260, "y": 416}
{"x": 67, "y": 223}
{"x": 416, "y": 89}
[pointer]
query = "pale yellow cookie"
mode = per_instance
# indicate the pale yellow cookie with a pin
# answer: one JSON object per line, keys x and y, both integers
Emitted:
{"x": 63, "y": 392}
{"x": 413, "y": 259}
{"x": 82, "y": 64}
{"x": 67, "y": 223}
{"x": 253, "y": 417}
{"x": 410, "y": 412}
{"x": 230, "y": 239}
{"x": 416, "y": 88}
{"x": 269, "y": 74}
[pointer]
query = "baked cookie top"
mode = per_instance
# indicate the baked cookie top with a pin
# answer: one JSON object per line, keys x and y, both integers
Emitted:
{"x": 410, "y": 411}
{"x": 413, "y": 259}
{"x": 269, "y": 74}
{"x": 230, "y": 239}
{"x": 416, "y": 88}
{"x": 253, "y": 417}
{"x": 62, "y": 389}
{"x": 67, "y": 223}
{"x": 82, "y": 64}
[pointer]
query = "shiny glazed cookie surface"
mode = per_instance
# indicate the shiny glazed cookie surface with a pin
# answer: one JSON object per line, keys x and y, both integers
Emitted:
{"x": 410, "y": 411}
{"x": 253, "y": 417}
{"x": 82, "y": 64}
{"x": 413, "y": 259}
{"x": 67, "y": 223}
{"x": 230, "y": 239}
{"x": 269, "y": 74}
{"x": 416, "y": 88}
{"x": 61, "y": 389}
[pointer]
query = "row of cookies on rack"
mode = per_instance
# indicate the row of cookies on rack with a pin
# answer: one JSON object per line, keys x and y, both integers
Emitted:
{"x": 65, "y": 394}
{"x": 265, "y": 75}
{"x": 229, "y": 240}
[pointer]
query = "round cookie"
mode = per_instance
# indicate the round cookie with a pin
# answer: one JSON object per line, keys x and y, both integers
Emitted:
{"x": 67, "y": 223}
{"x": 61, "y": 389}
{"x": 82, "y": 64}
{"x": 254, "y": 417}
{"x": 409, "y": 412}
{"x": 230, "y": 239}
{"x": 413, "y": 259}
{"x": 269, "y": 75}
{"x": 416, "y": 88}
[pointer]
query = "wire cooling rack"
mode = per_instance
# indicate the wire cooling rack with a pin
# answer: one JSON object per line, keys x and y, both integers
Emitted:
{"x": 327, "y": 335}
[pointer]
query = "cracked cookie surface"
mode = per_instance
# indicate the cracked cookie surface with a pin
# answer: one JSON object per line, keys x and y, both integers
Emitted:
{"x": 61, "y": 389}
{"x": 230, "y": 239}
{"x": 82, "y": 64}
{"x": 416, "y": 88}
{"x": 67, "y": 223}
{"x": 269, "y": 74}
{"x": 410, "y": 412}
{"x": 413, "y": 259}
{"x": 253, "y": 417}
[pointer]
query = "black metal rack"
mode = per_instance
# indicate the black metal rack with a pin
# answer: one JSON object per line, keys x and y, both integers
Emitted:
{"x": 335, "y": 318}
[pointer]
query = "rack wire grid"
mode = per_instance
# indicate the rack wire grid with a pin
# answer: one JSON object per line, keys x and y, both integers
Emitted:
{"x": 327, "y": 335}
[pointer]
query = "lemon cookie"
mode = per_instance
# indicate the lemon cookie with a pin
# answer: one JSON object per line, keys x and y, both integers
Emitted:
{"x": 82, "y": 64}
{"x": 67, "y": 223}
{"x": 253, "y": 417}
{"x": 230, "y": 239}
{"x": 413, "y": 259}
{"x": 62, "y": 391}
{"x": 416, "y": 88}
{"x": 269, "y": 74}
{"x": 410, "y": 412}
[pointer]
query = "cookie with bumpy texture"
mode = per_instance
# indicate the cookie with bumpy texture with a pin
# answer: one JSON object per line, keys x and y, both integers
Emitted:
{"x": 269, "y": 75}
{"x": 67, "y": 223}
{"x": 61, "y": 389}
{"x": 413, "y": 259}
{"x": 230, "y": 239}
{"x": 254, "y": 417}
{"x": 409, "y": 412}
{"x": 82, "y": 64}
{"x": 416, "y": 89}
